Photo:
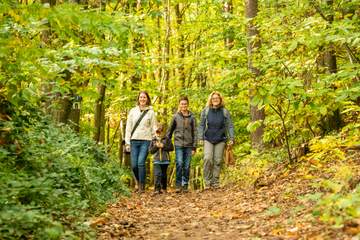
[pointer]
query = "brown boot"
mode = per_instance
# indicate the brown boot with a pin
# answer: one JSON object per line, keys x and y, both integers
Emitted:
{"x": 141, "y": 188}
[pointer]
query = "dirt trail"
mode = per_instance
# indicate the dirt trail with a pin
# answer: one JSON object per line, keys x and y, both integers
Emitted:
{"x": 272, "y": 212}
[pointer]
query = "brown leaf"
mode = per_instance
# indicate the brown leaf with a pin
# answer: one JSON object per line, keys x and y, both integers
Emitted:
{"x": 98, "y": 221}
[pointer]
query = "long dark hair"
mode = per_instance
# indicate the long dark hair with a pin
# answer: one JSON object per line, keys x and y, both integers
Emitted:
{"x": 148, "y": 102}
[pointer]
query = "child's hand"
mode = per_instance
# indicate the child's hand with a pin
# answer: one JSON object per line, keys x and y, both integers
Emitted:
{"x": 159, "y": 145}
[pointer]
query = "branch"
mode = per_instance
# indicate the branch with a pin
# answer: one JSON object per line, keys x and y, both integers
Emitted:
{"x": 318, "y": 9}
{"x": 116, "y": 6}
{"x": 351, "y": 53}
{"x": 286, "y": 67}
{"x": 113, "y": 139}
{"x": 277, "y": 112}
{"x": 288, "y": 108}
{"x": 184, "y": 9}
{"x": 309, "y": 126}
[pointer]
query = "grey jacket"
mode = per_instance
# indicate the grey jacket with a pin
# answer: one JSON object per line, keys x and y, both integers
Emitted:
{"x": 184, "y": 130}
{"x": 229, "y": 126}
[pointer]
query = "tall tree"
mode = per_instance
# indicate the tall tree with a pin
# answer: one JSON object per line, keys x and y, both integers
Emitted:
{"x": 137, "y": 47}
{"x": 229, "y": 35}
{"x": 99, "y": 115}
{"x": 229, "y": 31}
{"x": 333, "y": 121}
{"x": 253, "y": 44}
{"x": 330, "y": 56}
{"x": 179, "y": 11}
{"x": 166, "y": 55}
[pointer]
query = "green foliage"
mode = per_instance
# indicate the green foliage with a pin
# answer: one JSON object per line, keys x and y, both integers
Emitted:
{"x": 326, "y": 149}
{"x": 49, "y": 53}
{"x": 252, "y": 165}
{"x": 295, "y": 84}
{"x": 51, "y": 179}
{"x": 338, "y": 208}
{"x": 273, "y": 211}
{"x": 337, "y": 199}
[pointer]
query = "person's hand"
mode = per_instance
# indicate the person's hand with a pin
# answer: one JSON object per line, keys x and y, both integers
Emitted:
{"x": 193, "y": 152}
{"x": 159, "y": 145}
{"x": 230, "y": 143}
{"x": 127, "y": 147}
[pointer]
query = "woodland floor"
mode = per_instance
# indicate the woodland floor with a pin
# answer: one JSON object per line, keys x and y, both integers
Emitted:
{"x": 270, "y": 212}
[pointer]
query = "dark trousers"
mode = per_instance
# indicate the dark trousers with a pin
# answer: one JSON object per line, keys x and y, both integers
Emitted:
{"x": 160, "y": 174}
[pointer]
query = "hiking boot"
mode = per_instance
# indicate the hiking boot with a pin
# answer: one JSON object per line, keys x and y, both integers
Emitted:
{"x": 185, "y": 188}
{"x": 141, "y": 188}
{"x": 157, "y": 192}
{"x": 207, "y": 188}
{"x": 215, "y": 186}
{"x": 178, "y": 190}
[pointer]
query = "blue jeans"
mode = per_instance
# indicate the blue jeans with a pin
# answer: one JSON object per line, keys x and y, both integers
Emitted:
{"x": 183, "y": 158}
{"x": 139, "y": 152}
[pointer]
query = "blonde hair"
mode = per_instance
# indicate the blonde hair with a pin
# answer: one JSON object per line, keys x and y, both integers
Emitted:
{"x": 222, "y": 103}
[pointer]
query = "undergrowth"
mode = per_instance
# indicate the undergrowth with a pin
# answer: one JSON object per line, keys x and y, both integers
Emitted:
{"x": 51, "y": 179}
{"x": 331, "y": 169}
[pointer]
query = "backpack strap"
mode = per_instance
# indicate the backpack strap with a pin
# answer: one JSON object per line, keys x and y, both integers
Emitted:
{"x": 225, "y": 113}
{"x": 138, "y": 122}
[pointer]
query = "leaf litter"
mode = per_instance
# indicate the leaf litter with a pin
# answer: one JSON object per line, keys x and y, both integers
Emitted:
{"x": 273, "y": 211}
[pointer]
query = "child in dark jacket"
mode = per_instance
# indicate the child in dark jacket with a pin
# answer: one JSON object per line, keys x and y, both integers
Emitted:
{"x": 160, "y": 147}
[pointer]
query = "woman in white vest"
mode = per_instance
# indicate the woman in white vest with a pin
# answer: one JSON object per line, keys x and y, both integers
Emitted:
{"x": 140, "y": 129}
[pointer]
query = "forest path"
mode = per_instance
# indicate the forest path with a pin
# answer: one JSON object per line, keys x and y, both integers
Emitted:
{"x": 272, "y": 212}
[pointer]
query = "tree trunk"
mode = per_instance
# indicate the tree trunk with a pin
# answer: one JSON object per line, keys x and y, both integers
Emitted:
{"x": 229, "y": 31}
{"x": 253, "y": 44}
{"x": 74, "y": 116}
{"x": 334, "y": 121}
{"x": 100, "y": 115}
{"x": 137, "y": 46}
{"x": 179, "y": 19}
{"x": 108, "y": 133}
{"x": 166, "y": 70}
{"x": 62, "y": 102}
{"x": 229, "y": 34}
{"x": 62, "y": 112}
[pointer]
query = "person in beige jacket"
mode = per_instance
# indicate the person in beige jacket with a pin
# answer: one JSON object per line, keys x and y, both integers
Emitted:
{"x": 140, "y": 129}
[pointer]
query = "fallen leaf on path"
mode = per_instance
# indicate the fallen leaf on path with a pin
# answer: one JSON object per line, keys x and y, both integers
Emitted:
{"x": 98, "y": 221}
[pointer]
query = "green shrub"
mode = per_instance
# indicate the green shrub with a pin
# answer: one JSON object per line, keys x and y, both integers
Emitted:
{"x": 51, "y": 180}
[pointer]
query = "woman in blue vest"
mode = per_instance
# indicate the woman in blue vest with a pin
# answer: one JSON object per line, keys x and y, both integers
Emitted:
{"x": 215, "y": 131}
